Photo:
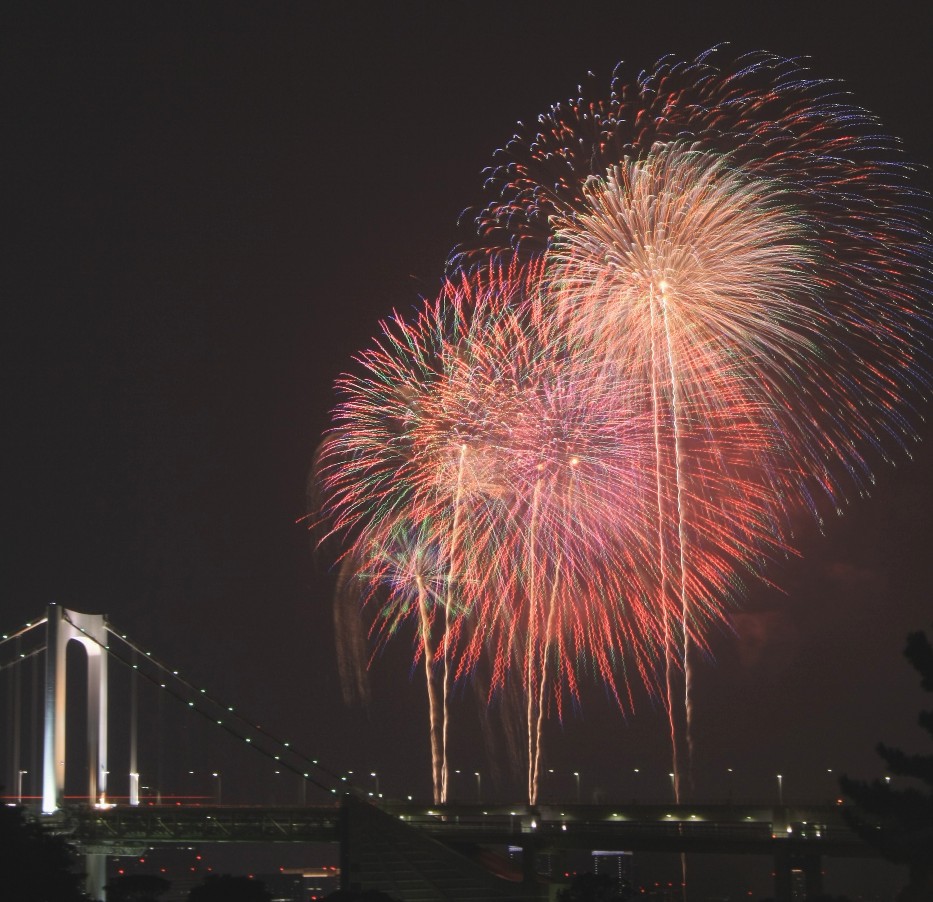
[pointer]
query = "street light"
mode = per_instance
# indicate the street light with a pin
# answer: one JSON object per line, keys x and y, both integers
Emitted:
{"x": 375, "y": 777}
{"x": 730, "y": 772}
{"x": 216, "y": 776}
{"x": 576, "y": 775}
{"x": 479, "y": 787}
{"x": 780, "y": 779}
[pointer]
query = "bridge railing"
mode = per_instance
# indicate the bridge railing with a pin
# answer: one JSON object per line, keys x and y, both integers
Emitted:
{"x": 199, "y": 824}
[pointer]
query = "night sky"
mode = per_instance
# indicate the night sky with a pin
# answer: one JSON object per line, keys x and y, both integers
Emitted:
{"x": 208, "y": 208}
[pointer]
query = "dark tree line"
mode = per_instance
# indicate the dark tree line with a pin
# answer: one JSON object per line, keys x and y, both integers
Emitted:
{"x": 899, "y": 822}
{"x": 35, "y": 864}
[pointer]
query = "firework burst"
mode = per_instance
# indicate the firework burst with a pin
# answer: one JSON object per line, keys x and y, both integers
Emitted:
{"x": 694, "y": 305}
{"x": 744, "y": 244}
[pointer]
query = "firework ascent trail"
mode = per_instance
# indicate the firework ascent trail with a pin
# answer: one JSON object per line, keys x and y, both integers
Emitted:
{"x": 695, "y": 306}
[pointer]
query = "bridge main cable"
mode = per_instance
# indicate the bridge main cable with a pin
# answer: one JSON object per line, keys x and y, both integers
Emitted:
{"x": 147, "y": 656}
{"x": 21, "y": 656}
{"x": 9, "y": 637}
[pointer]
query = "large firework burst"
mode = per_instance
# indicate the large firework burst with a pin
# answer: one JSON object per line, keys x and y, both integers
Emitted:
{"x": 745, "y": 243}
{"x": 706, "y": 304}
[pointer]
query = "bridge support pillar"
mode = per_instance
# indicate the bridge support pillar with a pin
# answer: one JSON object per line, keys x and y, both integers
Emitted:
{"x": 95, "y": 882}
{"x": 90, "y": 630}
{"x": 529, "y": 860}
{"x": 813, "y": 875}
{"x": 783, "y": 888}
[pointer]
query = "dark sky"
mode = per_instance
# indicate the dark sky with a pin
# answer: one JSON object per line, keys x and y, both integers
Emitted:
{"x": 209, "y": 206}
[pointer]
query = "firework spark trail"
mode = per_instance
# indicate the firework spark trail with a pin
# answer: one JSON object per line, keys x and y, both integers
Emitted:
{"x": 412, "y": 575}
{"x": 542, "y": 690}
{"x": 437, "y": 767}
{"x": 373, "y": 481}
{"x": 681, "y": 531}
{"x": 728, "y": 317}
{"x": 662, "y": 556}
{"x": 513, "y": 456}
{"x": 448, "y": 603}
{"x": 569, "y": 452}
{"x": 647, "y": 298}
{"x": 845, "y": 185}
{"x": 764, "y": 213}
{"x": 531, "y": 663}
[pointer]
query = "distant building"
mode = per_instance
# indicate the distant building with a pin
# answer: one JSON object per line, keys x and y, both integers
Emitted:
{"x": 183, "y": 866}
{"x": 301, "y": 884}
{"x": 617, "y": 865}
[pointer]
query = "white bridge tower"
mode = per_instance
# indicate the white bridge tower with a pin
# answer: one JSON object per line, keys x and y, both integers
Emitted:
{"x": 90, "y": 630}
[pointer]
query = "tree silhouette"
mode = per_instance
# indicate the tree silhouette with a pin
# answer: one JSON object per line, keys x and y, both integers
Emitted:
{"x": 137, "y": 888}
{"x": 224, "y": 888}
{"x": 35, "y": 865}
{"x": 899, "y": 822}
{"x": 594, "y": 888}
{"x": 367, "y": 895}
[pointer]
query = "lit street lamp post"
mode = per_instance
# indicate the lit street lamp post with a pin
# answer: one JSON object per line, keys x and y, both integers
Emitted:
{"x": 375, "y": 777}
{"x": 216, "y": 776}
{"x": 479, "y": 787}
{"x": 729, "y": 771}
{"x": 576, "y": 775}
{"x": 673, "y": 786}
{"x": 780, "y": 781}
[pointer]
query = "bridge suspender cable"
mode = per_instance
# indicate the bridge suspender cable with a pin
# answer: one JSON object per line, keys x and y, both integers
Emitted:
{"x": 286, "y": 747}
{"x": 14, "y": 742}
{"x": 20, "y": 656}
{"x": 221, "y": 705}
{"x": 23, "y": 656}
{"x": 7, "y": 637}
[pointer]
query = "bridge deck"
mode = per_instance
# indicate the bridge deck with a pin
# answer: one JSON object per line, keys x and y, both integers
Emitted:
{"x": 711, "y": 828}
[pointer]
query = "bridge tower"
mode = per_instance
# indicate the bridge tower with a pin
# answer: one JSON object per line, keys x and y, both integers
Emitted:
{"x": 90, "y": 630}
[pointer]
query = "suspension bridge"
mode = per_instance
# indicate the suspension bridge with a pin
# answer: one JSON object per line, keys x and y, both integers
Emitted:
{"x": 415, "y": 849}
